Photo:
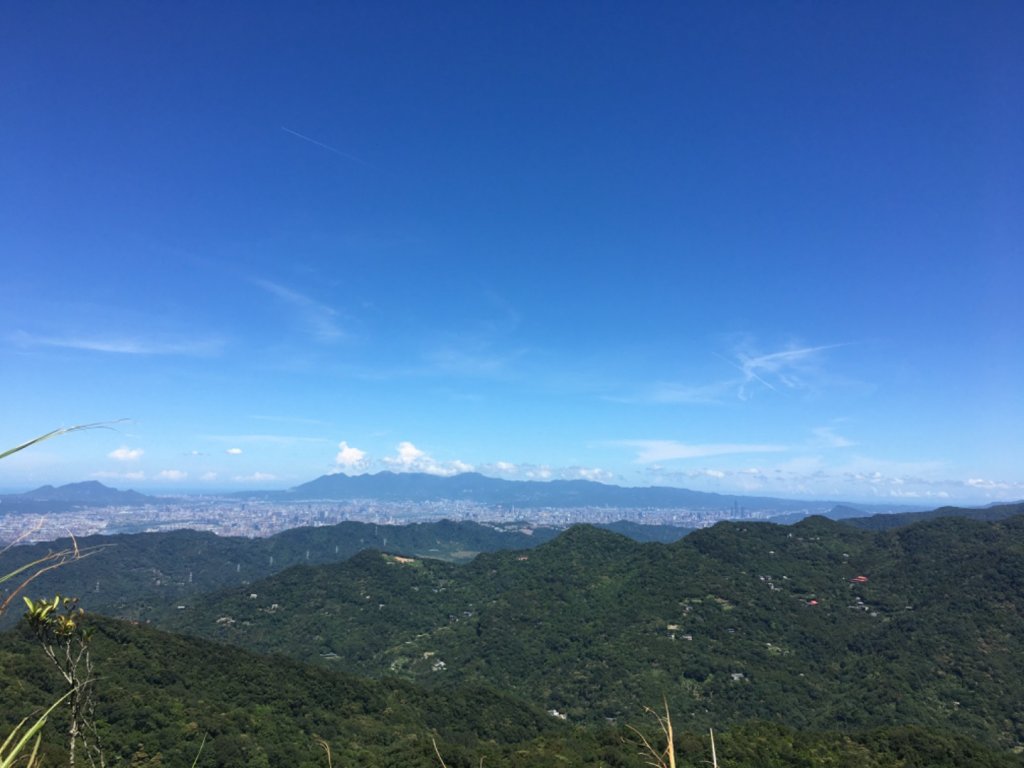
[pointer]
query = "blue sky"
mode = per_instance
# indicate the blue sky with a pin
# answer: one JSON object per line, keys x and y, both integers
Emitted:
{"x": 769, "y": 248}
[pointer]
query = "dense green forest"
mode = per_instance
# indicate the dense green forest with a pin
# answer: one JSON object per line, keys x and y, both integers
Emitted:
{"x": 817, "y": 625}
{"x": 814, "y": 644}
{"x": 126, "y": 575}
{"x": 898, "y": 520}
{"x": 159, "y": 695}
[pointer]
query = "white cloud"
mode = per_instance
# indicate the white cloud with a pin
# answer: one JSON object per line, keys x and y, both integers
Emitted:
{"x": 350, "y": 458}
{"x": 208, "y": 476}
{"x": 587, "y": 473}
{"x": 460, "y": 466}
{"x": 988, "y": 485}
{"x": 667, "y": 450}
{"x": 714, "y": 473}
{"x": 407, "y": 455}
{"x": 234, "y": 451}
{"x": 409, "y": 458}
{"x": 858, "y": 478}
{"x": 126, "y": 454}
{"x": 544, "y": 472}
{"x": 174, "y": 475}
{"x": 539, "y": 473}
{"x": 125, "y": 345}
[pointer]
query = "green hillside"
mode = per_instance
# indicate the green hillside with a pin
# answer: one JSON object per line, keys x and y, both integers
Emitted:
{"x": 884, "y": 522}
{"x": 127, "y": 574}
{"x": 737, "y": 622}
{"x": 159, "y": 695}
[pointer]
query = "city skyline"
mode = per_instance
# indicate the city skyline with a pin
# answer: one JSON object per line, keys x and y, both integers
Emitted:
{"x": 740, "y": 248}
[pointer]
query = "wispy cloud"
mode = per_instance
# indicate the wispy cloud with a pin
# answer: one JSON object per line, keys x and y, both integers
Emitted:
{"x": 827, "y": 437}
{"x": 993, "y": 485}
{"x": 474, "y": 360}
{"x": 126, "y": 454}
{"x": 596, "y": 474}
{"x": 859, "y": 478}
{"x": 319, "y": 319}
{"x": 791, "y": 368}
{"x": 124, "y": 345}
{"x": 174, "y": 475}
{"x": 527, "y": 471}
{"x": 649, "y": 451}
{"x": 680, "y": 393}
{"x": 329, "y": 148}
{"x": 233, "y": 451}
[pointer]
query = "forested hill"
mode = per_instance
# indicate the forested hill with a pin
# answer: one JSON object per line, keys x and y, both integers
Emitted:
{"x": 124, "y": 573}
{"x": 159, "y": 696}
{"x": 817, "y": 625}
{"x": 883, "y": 522}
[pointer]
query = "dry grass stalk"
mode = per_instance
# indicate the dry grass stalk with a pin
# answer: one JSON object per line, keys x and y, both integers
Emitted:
{"x": 659, "y": 758}
{"x": 327, "y": 748}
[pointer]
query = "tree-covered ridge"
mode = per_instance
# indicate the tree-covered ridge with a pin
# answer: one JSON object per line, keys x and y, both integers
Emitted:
{"x": 160, "y": 695}
{"x": 883, "y": 522}
{"x": 817, "y": 625}
{"x": 126, "y": 574}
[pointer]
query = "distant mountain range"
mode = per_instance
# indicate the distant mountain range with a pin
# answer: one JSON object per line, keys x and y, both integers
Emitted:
{"x": 57, "y": 499}
{"x": 89, "y": 492}
{"x": 474, "y": 487}
{"x": 469, "y": 487}
{"x": 885, "y": 522}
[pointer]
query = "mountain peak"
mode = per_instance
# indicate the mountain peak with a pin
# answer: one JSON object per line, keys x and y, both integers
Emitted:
{"x": 86, "y": 492}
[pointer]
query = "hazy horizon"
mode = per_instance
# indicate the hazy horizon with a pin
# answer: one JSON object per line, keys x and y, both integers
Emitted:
{"x": 184, "y": 490}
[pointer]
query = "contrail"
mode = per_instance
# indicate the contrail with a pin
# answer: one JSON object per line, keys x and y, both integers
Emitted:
{"x": 746, "y": 370}
{"x": 329, "y": 148}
